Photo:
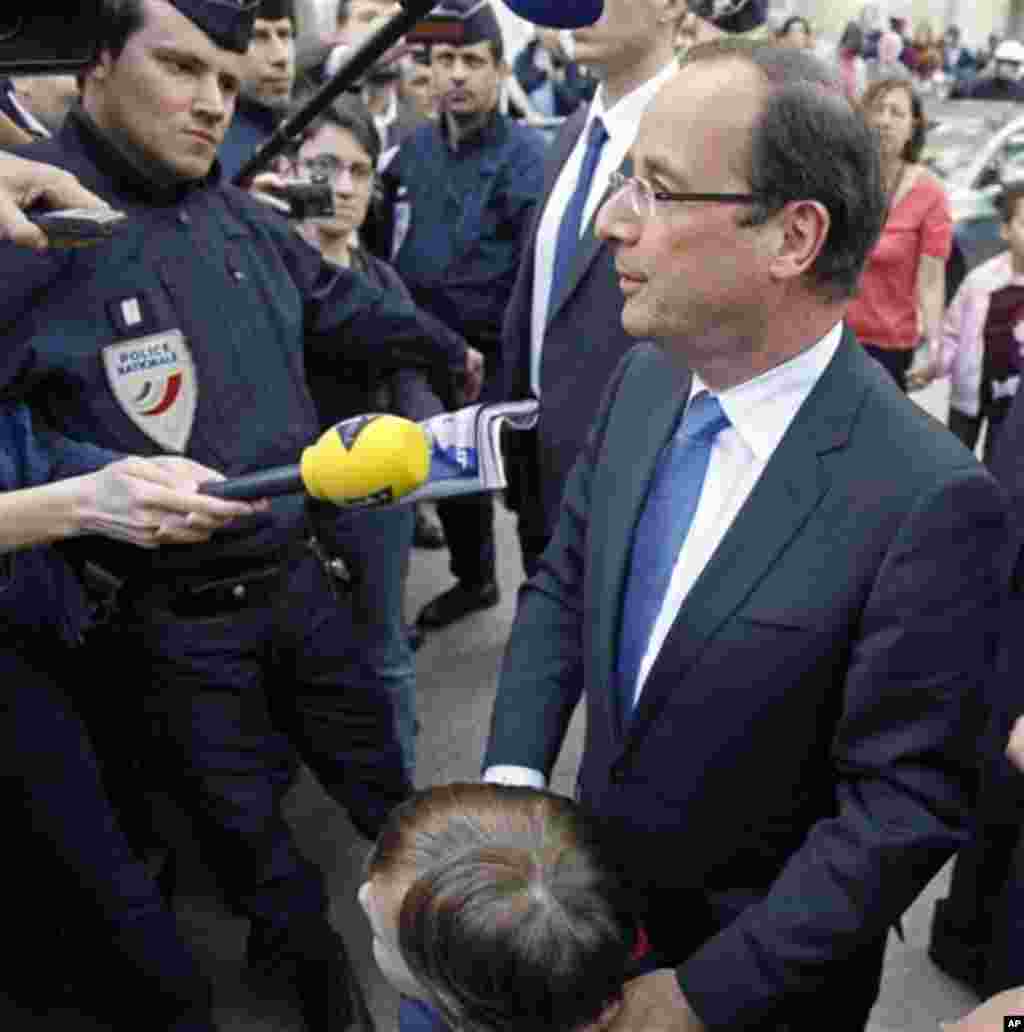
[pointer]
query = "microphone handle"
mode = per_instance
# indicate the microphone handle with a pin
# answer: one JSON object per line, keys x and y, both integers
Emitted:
{"x": 268, "y": 483}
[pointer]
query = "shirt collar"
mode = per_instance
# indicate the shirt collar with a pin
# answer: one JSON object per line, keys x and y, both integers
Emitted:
{"x": 621, "y": 119}
{"x": 761, "y": 410}
{"x": 119, "y": 159}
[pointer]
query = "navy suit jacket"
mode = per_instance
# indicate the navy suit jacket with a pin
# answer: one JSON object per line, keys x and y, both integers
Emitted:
{"x": 800, "y": 761}
{"x": 583, "y": 344}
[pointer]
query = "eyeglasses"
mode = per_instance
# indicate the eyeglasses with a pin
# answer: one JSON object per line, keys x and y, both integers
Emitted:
{"x": 643, "y": 197}
{"x": 328, "y": 168}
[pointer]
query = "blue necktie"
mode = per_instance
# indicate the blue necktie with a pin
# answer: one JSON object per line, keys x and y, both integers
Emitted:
{"x": 661, "y": 531}
{"x": 569, "y": 228}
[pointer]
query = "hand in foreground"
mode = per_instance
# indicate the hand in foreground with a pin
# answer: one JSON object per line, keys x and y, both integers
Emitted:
{"x": 1015, "y": 753}
{"x": 922, "y": 376}
{"x": 655, "y": 1003}
{"x": 153, "y": 502}
{"x": 474, "y": 382}
{"x": 988, "y": 1016}
{"x": 23, "y": 183}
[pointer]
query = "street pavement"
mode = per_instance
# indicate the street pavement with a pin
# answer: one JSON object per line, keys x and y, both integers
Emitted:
{"x": 457, "y": 669}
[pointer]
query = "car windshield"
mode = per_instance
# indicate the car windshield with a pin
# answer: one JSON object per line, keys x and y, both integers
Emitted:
{"x": 952, "y": 148}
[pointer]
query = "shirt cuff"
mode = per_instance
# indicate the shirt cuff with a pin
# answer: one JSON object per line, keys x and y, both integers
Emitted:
{"x": 522, "y": 777}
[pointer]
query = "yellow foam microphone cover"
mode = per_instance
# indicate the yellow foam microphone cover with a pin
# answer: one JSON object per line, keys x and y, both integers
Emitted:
{"x": 367, "y": 460}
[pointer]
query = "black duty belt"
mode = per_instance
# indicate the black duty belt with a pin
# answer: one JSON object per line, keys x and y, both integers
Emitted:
{"x": 222, "y": 590}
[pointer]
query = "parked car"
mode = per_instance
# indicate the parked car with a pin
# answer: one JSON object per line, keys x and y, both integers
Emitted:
{"x": 974, "y": 147}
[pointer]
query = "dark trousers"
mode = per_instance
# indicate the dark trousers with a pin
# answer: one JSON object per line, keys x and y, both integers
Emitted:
{"x": 968, "y": 429}
{"x": 896, "y": 362}
{"x": 221, "y": 701}
{"x": 468, "y": 524}
{"x": 78, "y": 897}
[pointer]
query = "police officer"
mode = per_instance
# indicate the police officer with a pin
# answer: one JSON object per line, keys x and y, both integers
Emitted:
{"x": 462, "y": 191}
{"x": 61, "y": 830}
{"x": 186, "y": 335}
{"x": 268, "y": 79}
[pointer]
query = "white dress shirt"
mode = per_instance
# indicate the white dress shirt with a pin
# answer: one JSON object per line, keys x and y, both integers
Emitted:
{"x": 621, "y": 122}
{"x": 760, "y": 412}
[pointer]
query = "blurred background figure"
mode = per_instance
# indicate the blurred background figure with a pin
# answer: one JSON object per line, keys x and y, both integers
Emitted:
{"x": 923, "y": 56}
{"x": 553, "y": 82}
{"x": 902, "y": 290}
{"x": 958, "y": 62}
{"x": 872, "y": 26}
{"x": 1004, "y": 82}
{"x": 343, "y": 147}
{"x": 982, "y": 334}
{"x": 850, "y": 65}
{"x": 795, "y": 32}
{"x": 416, "y": 87}
{"x": 888, "y": 64}
{"x": 983, "y": 58}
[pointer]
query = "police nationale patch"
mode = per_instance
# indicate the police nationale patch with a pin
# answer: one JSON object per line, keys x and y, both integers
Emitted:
{"x": 154, "y": 381}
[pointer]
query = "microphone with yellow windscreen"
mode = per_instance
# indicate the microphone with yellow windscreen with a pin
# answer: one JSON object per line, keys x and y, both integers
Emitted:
{"x": 363, "y": 461}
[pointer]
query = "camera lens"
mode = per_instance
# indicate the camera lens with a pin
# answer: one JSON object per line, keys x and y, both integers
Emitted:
{"x": 10, "y": 26}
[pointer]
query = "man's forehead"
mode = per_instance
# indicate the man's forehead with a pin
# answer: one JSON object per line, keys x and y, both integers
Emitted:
{"x": 481, "y": 49}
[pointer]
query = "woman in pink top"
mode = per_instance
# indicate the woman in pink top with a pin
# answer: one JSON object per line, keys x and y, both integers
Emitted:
{"x": 902, "y": 290}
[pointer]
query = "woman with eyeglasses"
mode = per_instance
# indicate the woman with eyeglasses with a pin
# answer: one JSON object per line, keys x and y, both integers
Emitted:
{"x": 342, "y": 148}
{"x": 902, "y": 290}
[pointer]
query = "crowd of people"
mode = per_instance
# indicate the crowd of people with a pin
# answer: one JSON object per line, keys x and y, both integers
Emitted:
{"x": 720, "y": 265}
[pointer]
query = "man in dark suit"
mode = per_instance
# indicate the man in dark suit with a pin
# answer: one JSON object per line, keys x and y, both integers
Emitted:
{"x": 780, "y": 617}
{"x": 566, "y": 291}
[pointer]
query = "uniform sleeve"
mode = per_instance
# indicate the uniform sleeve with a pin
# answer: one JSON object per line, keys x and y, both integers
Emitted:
{"x": 346, "y": 316}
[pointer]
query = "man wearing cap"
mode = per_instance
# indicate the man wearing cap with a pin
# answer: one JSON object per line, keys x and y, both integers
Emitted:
{"x": 567, "y": 290}
{"x": 268, "y": 79}
{"x": 186, "y": 334}
{"x": 462, "y": 191}
{"x": 1005, "y": 83}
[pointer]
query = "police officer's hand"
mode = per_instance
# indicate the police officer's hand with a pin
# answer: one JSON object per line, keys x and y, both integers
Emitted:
{"x": 153, "y": 502}
{"x": 24, "y": 183}
{"x": 474, "y": 381}
{"x": 1015, "y": 747}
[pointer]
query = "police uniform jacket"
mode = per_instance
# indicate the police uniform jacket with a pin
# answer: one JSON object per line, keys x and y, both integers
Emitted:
{"x": 185, "y": 334}
{"x": 466, "y": 210}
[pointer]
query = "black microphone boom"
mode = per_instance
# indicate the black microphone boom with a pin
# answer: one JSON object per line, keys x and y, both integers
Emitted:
{"x": 360, "y": 62}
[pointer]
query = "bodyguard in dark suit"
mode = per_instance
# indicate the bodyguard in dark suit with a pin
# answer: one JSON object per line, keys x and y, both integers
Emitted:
{"x": 762, "y": 557}
{"x": 975, "y": 933}
{"x": 562, "y": 340}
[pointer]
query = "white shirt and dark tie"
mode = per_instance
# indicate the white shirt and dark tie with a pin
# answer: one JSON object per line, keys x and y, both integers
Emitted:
{"x": 620, "y": 121}
{"x": 758, "y": 414}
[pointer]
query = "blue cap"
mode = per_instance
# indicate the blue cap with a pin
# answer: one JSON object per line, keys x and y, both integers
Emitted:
{"x": 467, "y": 22}
{"x": 227, "y": 22}
{"x": 558, "y": 14}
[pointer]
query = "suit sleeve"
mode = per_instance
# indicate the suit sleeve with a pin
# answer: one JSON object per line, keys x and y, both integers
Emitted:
{"x": 903, "y": 753}
{"x": 541, "y": 678}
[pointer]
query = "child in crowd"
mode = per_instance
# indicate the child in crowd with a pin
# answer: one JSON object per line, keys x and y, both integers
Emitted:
{"x": 494, "y": 906}
{"x": 983, "y": 333}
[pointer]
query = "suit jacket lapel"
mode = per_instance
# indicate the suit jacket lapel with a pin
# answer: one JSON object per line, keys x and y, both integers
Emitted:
{"x": 590, "y": 247}
{"x": 791, "y": 487}
{"x": 631, "y": 456}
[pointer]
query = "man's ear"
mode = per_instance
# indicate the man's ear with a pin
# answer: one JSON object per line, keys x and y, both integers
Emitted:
{"x": 804, "y": 229}
{"x": 101, "y": 69}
